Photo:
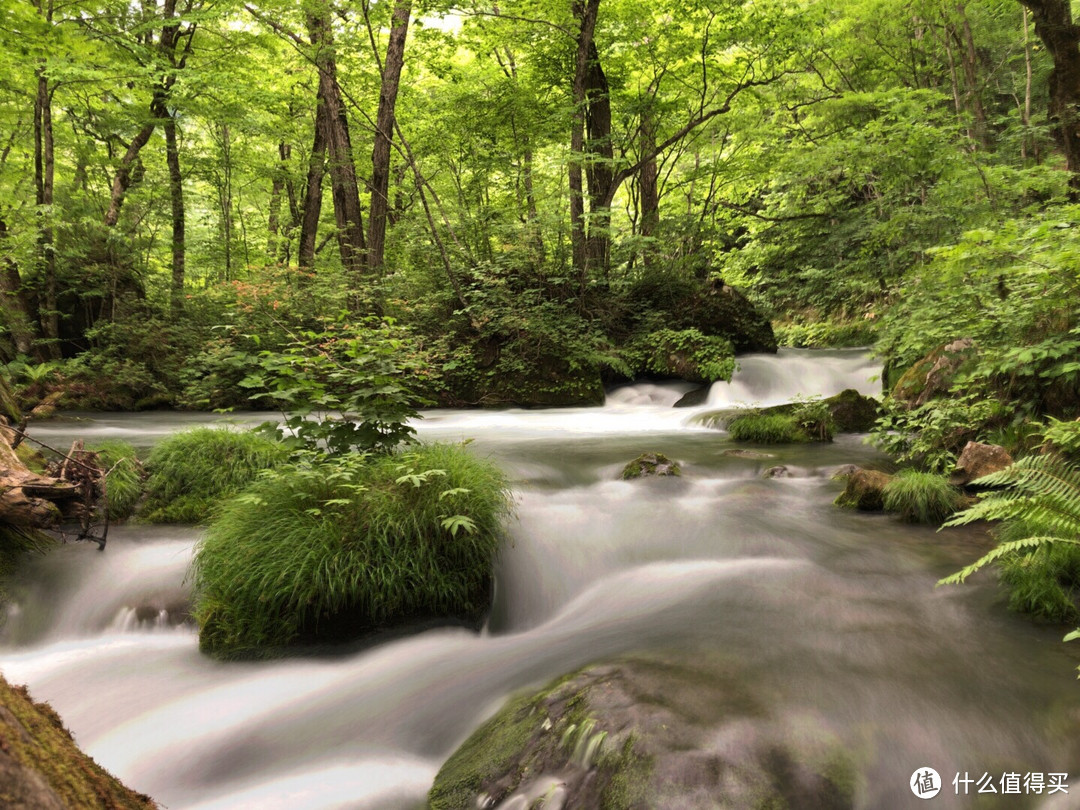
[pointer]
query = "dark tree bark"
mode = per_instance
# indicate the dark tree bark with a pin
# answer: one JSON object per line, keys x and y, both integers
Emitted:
{"x": 176, "y": 198}
{"x": 649, "y": 194}
{"x": 273, "y": 225}
{"x": 585, "y": 11}
{"x": 1054, "y": 26}
{"x": 14, "y": 305}
{"x": 309, "y": 222}
{"x": 343, "y": 185}
{"x": 379, "y": 210}
{"x": 599, "y": 162}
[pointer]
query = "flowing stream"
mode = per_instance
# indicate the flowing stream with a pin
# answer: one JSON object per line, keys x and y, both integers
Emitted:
{"x": 831, "y": 614}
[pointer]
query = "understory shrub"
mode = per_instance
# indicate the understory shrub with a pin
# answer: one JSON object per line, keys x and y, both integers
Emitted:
{"x": 124, "y": 475}
{"x": 192, "y": 471}
{"x": 921, "y": 497}
{"x": 324, "y": 550}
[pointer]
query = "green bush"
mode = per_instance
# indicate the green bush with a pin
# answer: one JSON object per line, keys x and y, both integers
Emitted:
{"x": 191, "y": 472}
{"x": 325, "y": 551}
{"x": 1043, "y": 583}
{"x": 124, "y": 477}
{"x": 921, "y": 497}
{"x": 761, "y": 428}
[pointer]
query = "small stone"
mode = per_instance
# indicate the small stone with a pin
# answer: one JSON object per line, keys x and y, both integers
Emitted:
{"x": 976, "y": 460}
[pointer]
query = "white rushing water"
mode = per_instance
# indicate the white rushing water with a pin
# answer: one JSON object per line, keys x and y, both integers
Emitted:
{"x": 823, "y": 611}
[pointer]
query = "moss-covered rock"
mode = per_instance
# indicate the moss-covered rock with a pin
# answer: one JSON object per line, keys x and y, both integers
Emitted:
{"x": 933, "y": 375}
{"x": 865, "y": 491}
{"x": 41, "y": 768}
{"x": 651, "y": 464}
{"x": 642, "y": 734}
{"x": 852, "y": 412}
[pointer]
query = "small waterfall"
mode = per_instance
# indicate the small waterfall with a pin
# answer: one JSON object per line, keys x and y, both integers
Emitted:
{"x": 772, "y": 379}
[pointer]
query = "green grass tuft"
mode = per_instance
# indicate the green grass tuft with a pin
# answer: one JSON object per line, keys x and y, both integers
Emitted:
{"x": 124, "y": 477}
{"x": 921, "y": 497}
{"x": 760, "y": 428}
{"x": 329, "y": 551}
{"x": 193, "y": 471}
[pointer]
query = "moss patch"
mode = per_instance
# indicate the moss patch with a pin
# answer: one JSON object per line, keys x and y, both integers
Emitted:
{"x": 920, "y": 497}
{"x": 762, "y": 428}
{"x": 42, "y": 768}
{"x": 651, "y": 464}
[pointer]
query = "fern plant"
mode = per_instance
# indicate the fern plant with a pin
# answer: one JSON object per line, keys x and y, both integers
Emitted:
{"x": 1041, "y": 492}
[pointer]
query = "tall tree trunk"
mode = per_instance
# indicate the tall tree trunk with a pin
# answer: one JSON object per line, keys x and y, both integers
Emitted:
{"x": 649, "y": 202}
{"x": 378, "y": 213}
{"x": 273, "y": 224}
{"x": 585, "y": 11}
{"x": 971, "y": 77}
{"x": 176, "y": 198}
{"x": 598, "y": 166}
{"x": 309, "y": 223}
{"x": 1054, "y": 26}
{"x": 343, "y": 185}
{"x": 225, "y": 200}
{"x": 44, "y": 183}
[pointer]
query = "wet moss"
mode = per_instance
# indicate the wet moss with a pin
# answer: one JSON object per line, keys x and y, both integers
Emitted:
{"x": 650, "y": 464}
{"x": 42, "y": 767}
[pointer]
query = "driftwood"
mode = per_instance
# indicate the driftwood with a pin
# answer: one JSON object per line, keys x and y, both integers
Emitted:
{"x": 29, "y": 500}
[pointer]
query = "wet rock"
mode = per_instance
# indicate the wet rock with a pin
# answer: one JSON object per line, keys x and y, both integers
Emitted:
{"x": 852, "y": 412}
{"x": 865, "y": 490}
{"x": 644, "y": 734}
{"x": 933, "y": 375}
{"x": 41, "y": 768}
{"x": 755, "y": 454}
{"x": 779, "y": 471}
{"x": 976, "y": 460}
{"x": 845, "y": 471}
{"x": 651, "y": 464}
{"x": 691, "y": 399}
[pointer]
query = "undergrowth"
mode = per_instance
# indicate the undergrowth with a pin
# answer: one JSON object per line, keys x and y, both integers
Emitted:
{"x": 760, "y": 428}
{"x": 124, "y": 477}
{"x": 191, "y": 472}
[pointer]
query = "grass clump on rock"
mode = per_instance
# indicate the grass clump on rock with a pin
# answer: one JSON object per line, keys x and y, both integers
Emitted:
{"x": 191, "y": 472}
{"x": 921, "y": 497}
{"x": 651, "y": 464}
{"x": 762, "y": 428}
{"x": 124, "y": 477}
{"x": 326, "y": 550}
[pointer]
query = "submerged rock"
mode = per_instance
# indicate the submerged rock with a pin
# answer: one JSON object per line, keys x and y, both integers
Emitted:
{"x": 41, "y": 768}
{"x": 753, "y": 454}
{"x": 779, "y": 471}
{"x": 646, "y": 734}
{"x": 651, "y": 464}
{"x": 978, "y": 459}
{"x": 865, "y": 490}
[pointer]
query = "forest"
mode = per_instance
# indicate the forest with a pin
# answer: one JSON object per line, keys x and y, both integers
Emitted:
{"x": 367, "y": 217}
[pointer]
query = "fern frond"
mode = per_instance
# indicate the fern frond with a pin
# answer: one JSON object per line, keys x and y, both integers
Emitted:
{"x": 1001, "y": 551}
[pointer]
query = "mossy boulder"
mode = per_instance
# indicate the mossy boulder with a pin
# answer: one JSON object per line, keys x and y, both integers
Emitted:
{"x": 852, "y": 412}
{"x": 651, "y": 464}
{"x": 642, "y": 734}
{"x": 865, "y": 491}
{"x": 934, "y": 374}
{"x": 41, "y": 767}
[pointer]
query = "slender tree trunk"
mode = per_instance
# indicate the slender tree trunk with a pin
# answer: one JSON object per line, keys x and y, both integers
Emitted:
{"x": 1028, "y": 71}
{"x": 649, "y": 202}
{"x": 44, "y": 183}
{"x": 598, "y": 166}
{"x": 176, "y": 198}
{"x": 273, "y": 225}
{"x": 225, "y": 200}
{"x": 384, "y": 133}
{"x": 585, "y": 11}
{"x": 1054, "y": 26}
{"x": 971, "y": 76}
{"x": 122, "y": 179}
{"x": 309, "y": 223}
{"x": 343, "y": 185}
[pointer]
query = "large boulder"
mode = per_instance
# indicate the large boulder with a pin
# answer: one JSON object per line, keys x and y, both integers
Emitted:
{"x": 41, "y": 768}
{"x": 865, "y": 490}
{"x": 934, "y": 374}
{"x": 976, "y": 460}
{"x": 643, "y": 734}
{"x": 852, "y": 412}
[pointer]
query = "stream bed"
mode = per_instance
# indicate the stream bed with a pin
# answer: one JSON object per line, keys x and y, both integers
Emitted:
{"x": 832, "y": 616}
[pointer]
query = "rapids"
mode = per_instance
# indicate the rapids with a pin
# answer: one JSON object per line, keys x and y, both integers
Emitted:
{"x": 832, "y": 614}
